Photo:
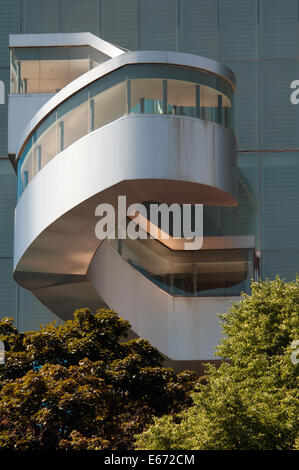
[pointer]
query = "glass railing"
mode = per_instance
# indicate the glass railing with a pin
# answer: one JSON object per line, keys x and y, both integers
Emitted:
{"x": 202, "y": 273}
{"x": 126, "y": 91}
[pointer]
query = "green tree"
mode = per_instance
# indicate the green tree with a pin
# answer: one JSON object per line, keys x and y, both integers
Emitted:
{"x": 251, "y": 401}
{"x": 77, "y": 386}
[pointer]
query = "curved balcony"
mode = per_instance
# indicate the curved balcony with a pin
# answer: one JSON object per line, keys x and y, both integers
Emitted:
{"x": 134, "y": 89}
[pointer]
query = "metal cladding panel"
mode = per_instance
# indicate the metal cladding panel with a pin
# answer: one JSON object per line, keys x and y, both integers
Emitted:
{"x": 4, "y": 77}
{"x": 80, "y": 16}
{"x": 279, "y": 200}
{"x": 39, "y": 16}
{"x": 283, "y": 262}
{"x": 8, "y": 289}
{"x": 32, "y": 313}
{"x": 244, "y": 218}
{"x": 246, "y": 100}
{"x": 279, "y": 28}
{"x": 8, "y": 198}
{"x": 199, "y": 28}
{"x": 120, "y": 23}
{"x": 158, "y": 25}
{"x": 238, "y": 30}
{"x": 279, "y": 117}
{"x": 9, "y": 23}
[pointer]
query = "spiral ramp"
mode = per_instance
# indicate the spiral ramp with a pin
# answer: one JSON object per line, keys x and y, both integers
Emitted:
{"x": 148, "y": 149}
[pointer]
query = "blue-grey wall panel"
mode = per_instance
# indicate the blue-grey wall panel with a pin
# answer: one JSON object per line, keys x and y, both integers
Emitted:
{"x": 8, "y": 289}
{"x": 120, "y": 23}
{"x": 246, "y": 103}
{"x": 279, "y": 117}
{"x": 4, "y": 77}
{"x": 80, "y": 15}
{"x": 40, "y": 16}
{"x": 199, "y": 28}
{"x": 284, "y": 263}
{"x": 279, "y": 199}
{"x": 8, "y": 196}
{"x": 244, "y": 218}
{"x": 31, "y": 313}
{"x": 279, "y": 28}
{"x": 9, "y": 24}
{"x": 158, "y": 24}
{"x": 238, "y": 29}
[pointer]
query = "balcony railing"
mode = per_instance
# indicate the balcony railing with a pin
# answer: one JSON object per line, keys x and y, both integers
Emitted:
{"x": 132, "y": 89}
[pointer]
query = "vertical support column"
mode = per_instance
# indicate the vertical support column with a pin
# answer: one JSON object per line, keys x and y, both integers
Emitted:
{"x": 219, "y": 116}
{"x": 61, "y": 136}
{"x": 91, "y": 115}
{"x": 26, "y": 178}
{"x": 194, "y": 279}
{"x": 18, "y": 77}
{"x": 164, "y": 96}
{"x": 197, "y": 101}
{"x": 119, "y": 246}
{"x": 171, "y": 283}
{"x": 128, "y": 96}
{"x": 39, "y": 157}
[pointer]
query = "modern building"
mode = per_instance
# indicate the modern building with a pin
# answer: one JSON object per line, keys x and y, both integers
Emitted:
{"x": 174, "y": 101}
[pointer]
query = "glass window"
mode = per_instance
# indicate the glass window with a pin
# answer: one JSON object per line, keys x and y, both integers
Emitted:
{"x": 108, "y": 105}
{"x": 146, "y": 96}
{"x": 202, "y": 273}
{"x": 215, "y": 106}
{"x": 181, "y": 98}
{"x": 49, "y": 69}
{"x": 72, "y": 118}
{"x": 45, "y": 142}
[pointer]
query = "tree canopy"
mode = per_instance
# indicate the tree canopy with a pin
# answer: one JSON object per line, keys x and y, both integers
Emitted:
{"x": 78, "y": 386}
{"x": 251, "y": 401}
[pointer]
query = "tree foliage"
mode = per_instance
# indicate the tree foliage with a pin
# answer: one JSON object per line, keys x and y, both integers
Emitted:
{"x": 77, "y": 386}
{"x": 251, "y": 401}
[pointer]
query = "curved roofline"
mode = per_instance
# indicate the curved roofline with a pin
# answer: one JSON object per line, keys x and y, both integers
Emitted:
{"x": 136, "y": 57}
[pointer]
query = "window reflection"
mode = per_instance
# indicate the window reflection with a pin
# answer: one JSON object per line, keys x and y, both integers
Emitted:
{"x": 202, "y": 273}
